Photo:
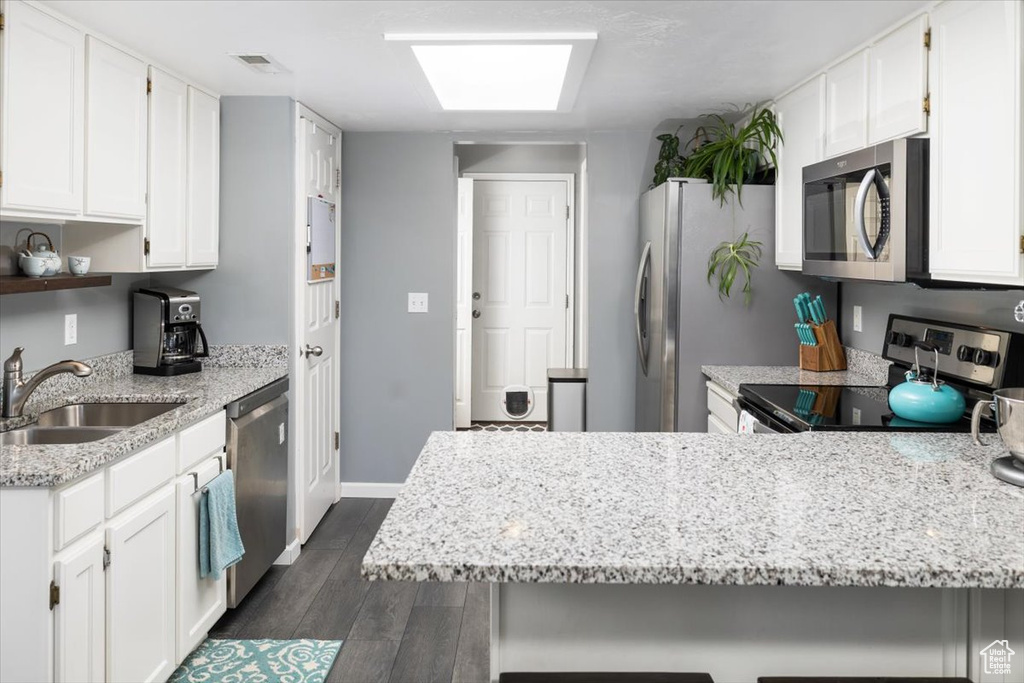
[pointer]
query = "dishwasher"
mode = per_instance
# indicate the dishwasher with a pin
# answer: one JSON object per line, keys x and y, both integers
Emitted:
{"x": 257, "y": 450}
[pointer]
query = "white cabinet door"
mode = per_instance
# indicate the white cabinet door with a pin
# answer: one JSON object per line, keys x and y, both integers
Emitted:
{"x": 115, "y": 132}
{"x": 168, "y": 147}
{"x": 43, "y": 78}
{"x": 801, "y": 116}
{"x": 976, "y": 175}
{"x": 898, "y": 83}
{"x": 846, "y": 105}
{"x": 203, "y": 178}
{"x": 200, "y": 601}
{"x": 140, "y": 591}
{"x": 78, "y": 619}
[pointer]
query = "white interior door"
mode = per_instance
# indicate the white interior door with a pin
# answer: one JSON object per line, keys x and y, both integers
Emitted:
{"x": 317, "y": 337}
{"x": 520, "y": 251}
{"x": 464, "y": 305}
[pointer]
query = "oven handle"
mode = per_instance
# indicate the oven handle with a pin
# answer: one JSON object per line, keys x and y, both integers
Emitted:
{"x": 872, "y": 251}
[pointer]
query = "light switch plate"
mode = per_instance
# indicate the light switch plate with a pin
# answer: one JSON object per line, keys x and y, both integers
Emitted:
{"x": 858, "y": 319}
{"x": 70, "y": 329}
{"x": 417, "y": 302}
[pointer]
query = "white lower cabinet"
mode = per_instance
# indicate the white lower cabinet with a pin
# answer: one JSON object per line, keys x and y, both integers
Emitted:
{"x": 140, "y": 591}
{"x": 79, "y": 617}
{"x": 723, "y": 415}
{"x": 201, "y": 602}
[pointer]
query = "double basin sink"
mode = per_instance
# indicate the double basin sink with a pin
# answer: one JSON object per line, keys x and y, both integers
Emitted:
{"x": 82, "y": 422}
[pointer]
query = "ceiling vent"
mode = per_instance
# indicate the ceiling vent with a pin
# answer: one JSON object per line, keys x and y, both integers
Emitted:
{"x": 260, "y": 62}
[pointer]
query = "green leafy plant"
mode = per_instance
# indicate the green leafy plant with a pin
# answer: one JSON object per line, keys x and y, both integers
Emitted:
{"x": 670, "y": 162}
{"x": 728, "y": 259}
{"x": 729, "y": 154}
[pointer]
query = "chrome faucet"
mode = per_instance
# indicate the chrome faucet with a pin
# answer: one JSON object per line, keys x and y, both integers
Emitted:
{"x": 17, "y": 391}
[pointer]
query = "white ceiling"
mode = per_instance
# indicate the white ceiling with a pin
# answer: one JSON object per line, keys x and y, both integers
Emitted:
{"x": 654, "y": 61}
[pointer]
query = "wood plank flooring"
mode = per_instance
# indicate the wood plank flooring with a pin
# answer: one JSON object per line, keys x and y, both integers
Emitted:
{"x": 393, "y": 631}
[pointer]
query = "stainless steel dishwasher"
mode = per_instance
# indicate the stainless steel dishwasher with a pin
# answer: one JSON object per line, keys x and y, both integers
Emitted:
{"x": 257, "y": 446}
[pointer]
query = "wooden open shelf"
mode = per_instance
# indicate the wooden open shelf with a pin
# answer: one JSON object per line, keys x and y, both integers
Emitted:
{"x": 20, "y": 284}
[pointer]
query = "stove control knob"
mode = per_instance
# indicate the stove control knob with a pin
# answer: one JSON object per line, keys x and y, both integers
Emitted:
{"x": 965, "y": 354}
{"x": 900, "y": 339}
{"x": 986, "y": 358}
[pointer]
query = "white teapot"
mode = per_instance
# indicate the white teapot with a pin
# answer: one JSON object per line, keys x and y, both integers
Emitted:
{"x": 45, "y": 251}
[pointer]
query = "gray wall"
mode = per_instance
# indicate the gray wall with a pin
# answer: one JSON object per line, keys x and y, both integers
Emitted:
{"x": 993, "y": 308}
{"x": 398, "y": 236}
{"x": 248, "y": 298}
{"x": 520, "y": 158}
{"x": 36, "y": 320}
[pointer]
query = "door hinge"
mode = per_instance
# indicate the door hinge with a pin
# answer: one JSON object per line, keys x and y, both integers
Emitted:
{"x": 337, "y": 178}
{"x": 928, "y": 39}
{"x": 337, "y": 309}
{"x": 106, "y": 558}
{"x": 927, "y": 104}
{"x": 145, "y": 246}
{"x": 566, "y": 212}
{"x": 149, "y": 85}
{"x": 54, "y": 595}
{"x": 337, "y": 441}
{"x": 566, "y": 302}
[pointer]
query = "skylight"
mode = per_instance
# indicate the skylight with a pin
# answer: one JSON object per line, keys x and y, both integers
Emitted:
{"x": 481, "y": 72}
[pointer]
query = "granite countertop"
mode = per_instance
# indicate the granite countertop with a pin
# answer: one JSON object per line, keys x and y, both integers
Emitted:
{"x": 849, "y": 509}
{"x": 864, "y": 369}
{"x": 229, "y": 376}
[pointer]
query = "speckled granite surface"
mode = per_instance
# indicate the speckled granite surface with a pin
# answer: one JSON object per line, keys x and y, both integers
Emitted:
{"x": 201, "y": 395}
{"x": 806, "y": 510}
{"x": 864, "y": 369}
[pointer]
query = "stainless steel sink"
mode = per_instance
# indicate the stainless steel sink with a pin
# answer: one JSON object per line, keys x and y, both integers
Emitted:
{"x": 33, "y": 435}
{"x": 103, "y": 414}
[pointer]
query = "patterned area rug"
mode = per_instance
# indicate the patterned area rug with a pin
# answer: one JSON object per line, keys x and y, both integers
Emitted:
{"x": 258, "y": 661}
{"x": 509, "y": 427}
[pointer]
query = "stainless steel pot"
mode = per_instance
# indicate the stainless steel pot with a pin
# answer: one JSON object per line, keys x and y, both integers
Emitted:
{"x": 1007, "y": 407}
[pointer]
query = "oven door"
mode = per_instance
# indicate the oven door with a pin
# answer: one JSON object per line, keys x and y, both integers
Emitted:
{"x": 854, "y": 212}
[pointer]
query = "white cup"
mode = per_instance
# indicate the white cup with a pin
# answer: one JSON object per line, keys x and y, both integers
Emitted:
{"x": 79, "y": 265}
{"x": 33, "y": 266}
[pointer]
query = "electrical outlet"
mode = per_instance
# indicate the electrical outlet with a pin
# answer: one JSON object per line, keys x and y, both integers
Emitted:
{"x": 70, "y": 329}
{"x": 858, "y": 319}
{"x": 417, "y": 302}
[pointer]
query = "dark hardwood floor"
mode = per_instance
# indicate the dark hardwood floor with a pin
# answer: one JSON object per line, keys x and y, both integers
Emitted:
{"x": 393, "y": 631}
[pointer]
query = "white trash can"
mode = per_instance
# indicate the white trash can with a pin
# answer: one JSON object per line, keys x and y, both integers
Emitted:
{"x": 567, "y": 400}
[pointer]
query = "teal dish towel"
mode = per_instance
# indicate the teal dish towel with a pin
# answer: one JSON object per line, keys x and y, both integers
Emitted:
{"x": 220, "y": 544}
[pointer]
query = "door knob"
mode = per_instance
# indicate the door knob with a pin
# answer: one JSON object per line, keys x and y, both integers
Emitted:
{"x": 476, "y": 296}
{"x": 476, "y": 313}
{"x": 313, "y": 351}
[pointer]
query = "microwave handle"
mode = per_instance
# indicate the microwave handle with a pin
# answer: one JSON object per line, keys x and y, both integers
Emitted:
{"x": 872, "y": 251}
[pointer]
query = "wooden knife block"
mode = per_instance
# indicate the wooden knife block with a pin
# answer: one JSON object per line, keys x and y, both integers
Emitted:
{"x": 828, "y": 355}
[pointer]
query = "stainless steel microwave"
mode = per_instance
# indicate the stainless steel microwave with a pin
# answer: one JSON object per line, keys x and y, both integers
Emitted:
{"x": 866, "y": 214}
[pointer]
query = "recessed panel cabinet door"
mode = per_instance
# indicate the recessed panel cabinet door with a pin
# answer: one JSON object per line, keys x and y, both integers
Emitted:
{"x": 846, "y": 127}
{"x": 976, "y": 177}
{"x": 898, "y": 77}
{"x": 140, "y": 591}
{"x": 115, "y": 132}
{"x": 78, "y": 619}
{"x": 203, "y": 178}
{"x": 43, "y": 104}
{"x": 168, "y": 152}
{"x": 801, "y": 116}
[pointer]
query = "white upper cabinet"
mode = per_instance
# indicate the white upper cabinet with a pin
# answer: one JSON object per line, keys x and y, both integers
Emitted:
{"x": 43, "y": 103}
{"x": 115, "y": 132}
{"x": 168, "y": 152}
{"x": 898, "y": 83}
{"x": 801, "y": 116}
{"x": 846, "y": 105}
{"x": 976, "y": 139}
{"x": 203, "y": 179}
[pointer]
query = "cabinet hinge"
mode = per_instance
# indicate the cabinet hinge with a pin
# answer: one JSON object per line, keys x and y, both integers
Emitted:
{"x": 149, "y": 85}
{"x": 928, "y": 39}
{"x": 54, "y": 595}
{"x": 337, "y": 309}
{"x": 927, "y": 104}
{"x": 566, "y": 212}
{"x": 1, "y": 21}
{"x": 566, "y": 302}
{"x": 1022, "y": 244}
{"x": 1, "y": 178}
{"x": 337, "y": 441}
{"x": 106, "y": 558}
{"x": 145, "y": 246}
{"x": 337, "y": 178}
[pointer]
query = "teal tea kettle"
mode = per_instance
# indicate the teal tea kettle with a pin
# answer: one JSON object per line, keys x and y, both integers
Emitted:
{"x": 926, "y": 400}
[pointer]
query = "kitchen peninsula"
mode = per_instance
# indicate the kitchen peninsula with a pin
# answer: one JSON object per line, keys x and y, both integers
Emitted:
{"x": 742, "y": 556}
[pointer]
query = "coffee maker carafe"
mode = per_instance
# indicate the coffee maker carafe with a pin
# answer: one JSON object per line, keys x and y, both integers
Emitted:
{"x": 167, "y": 332}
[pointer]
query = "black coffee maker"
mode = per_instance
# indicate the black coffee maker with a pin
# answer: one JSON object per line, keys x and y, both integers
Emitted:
{"x": 168, "y": 334}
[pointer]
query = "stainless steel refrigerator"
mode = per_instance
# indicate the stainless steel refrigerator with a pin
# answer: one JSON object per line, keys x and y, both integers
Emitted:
{"x": 681, "y": 324}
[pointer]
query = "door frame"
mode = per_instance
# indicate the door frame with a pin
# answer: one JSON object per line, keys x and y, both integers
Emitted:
{"x": 299, "y": 282}
{"x": 570, "y": 252}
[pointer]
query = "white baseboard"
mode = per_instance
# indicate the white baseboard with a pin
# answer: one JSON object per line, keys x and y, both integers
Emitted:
{"x": 290, "y": 554}
{"x": 359, "y": 489}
